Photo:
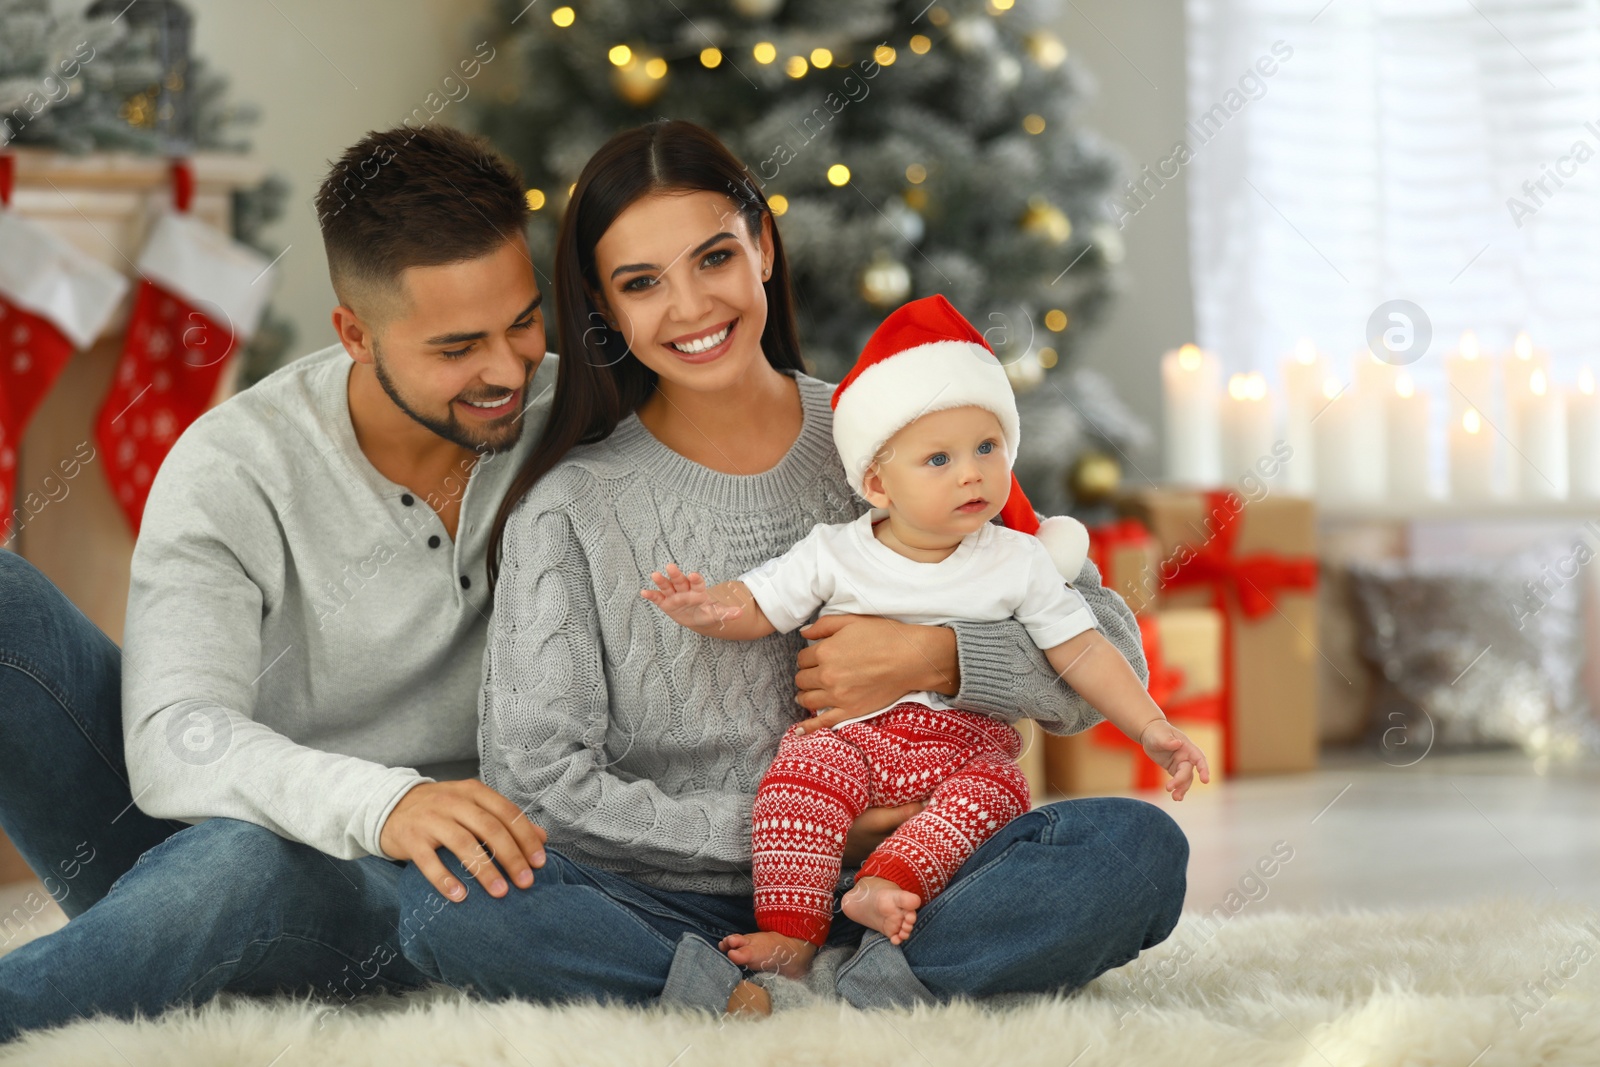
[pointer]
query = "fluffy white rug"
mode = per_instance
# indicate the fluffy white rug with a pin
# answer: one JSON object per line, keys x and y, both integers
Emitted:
{"x": 1502, "y": 983}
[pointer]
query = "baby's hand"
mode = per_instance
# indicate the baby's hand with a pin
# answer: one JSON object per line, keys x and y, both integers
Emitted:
{"x": 686, "y": 599}
{"x": 1180, "y": 757}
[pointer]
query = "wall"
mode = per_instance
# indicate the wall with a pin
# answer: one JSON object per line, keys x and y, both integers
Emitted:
{"x": 1134, "y": 49}
{"x": 323, "y": 74}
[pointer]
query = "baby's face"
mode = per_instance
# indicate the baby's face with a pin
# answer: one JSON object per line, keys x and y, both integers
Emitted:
{"x": 946, "y": 474}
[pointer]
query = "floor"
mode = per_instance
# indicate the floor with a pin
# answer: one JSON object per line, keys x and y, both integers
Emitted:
{"x": 1357, "y": 833}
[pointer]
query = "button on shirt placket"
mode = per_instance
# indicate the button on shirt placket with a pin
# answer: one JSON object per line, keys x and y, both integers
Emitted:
{"x": 432, "y": 539}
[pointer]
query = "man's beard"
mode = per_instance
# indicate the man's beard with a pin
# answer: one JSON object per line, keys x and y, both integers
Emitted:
{"x": 497, "y": 436}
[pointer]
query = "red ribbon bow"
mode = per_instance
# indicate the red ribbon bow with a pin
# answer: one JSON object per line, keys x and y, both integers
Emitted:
{"x": 1254, "y": 582}
{"x": 1165, "y": 680}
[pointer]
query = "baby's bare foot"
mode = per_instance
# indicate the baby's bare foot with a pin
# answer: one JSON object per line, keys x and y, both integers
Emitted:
{"x": 767, "y": 951}
{"x": 880, "y": 905}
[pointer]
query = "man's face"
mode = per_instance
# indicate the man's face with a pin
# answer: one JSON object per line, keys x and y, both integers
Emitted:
{"x": 458, "y": 355}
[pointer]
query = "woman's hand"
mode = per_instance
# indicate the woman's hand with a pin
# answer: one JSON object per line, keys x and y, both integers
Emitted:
{"x": 871, "y": 827}
{"x": 861, "y": 663}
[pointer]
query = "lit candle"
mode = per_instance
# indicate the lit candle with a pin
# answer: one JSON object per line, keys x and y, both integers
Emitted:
{"x": 1247, "y": 425}
{"x": 1542, "y": 440}
{"x": 1410, "y": 413}
{"x": 1349, "y": 447}
{"x": 1519, "y": 369}
{"x": 1583, "y": 438}
{"x": 1471, "y": 378}
{"x": 1191, "y": 380}
{"x": 1303, "y": 374}
{"x": 1374, "y": 377}
{"x": 1471, "y": 457}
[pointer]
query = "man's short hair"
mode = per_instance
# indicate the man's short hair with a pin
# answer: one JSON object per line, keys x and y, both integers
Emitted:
{"x": 413, "y": 198}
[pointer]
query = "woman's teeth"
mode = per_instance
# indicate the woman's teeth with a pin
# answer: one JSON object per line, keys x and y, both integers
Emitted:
{"x": 704, "y": 344}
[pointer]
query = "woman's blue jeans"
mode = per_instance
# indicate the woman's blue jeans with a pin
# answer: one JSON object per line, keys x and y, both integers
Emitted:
{"x": 1057, "y": 897}
{"x": 162, "y": 913}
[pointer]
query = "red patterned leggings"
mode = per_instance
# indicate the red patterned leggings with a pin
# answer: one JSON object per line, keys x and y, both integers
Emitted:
{"x": 962, "y": 764}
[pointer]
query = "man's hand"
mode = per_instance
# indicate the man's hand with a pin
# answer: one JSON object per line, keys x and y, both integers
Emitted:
{"x": 871, "y": 827}
{"x": 458, "y": 816}
{"x": 860, "y": 663}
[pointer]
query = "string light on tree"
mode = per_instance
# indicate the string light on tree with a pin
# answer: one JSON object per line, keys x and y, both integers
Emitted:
{"x": 838, "y": 174}
{"x": 764, "y": 52}
{"x": 711, "y": 58}
{"x": 636, "y": 77}
{"x": 563, "y": 16}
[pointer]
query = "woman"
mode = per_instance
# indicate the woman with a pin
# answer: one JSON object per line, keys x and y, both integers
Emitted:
{"x": 684, "y": 427}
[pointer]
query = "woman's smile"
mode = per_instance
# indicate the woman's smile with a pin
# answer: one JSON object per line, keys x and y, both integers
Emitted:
{"x": 706, "y": 345}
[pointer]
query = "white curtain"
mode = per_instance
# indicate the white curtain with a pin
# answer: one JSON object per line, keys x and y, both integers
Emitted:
{"x": 1385, "y": 158}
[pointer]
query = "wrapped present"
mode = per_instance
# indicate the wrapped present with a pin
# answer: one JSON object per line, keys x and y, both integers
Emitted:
{"x": 1032, "y": 760}
{"x": 1183, "y": 647}
{"x": 1128, "y": 561}
{"x": 1254, "y": 562}
{"x": 13, "y": 868}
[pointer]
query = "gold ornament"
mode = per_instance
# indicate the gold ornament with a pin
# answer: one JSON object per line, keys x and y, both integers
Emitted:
{"x": 885, "y": 282}
{"x": 1044, "y": 219}
{"x": 1045, "y": 49}
{"x": 1094, "y": 477}
{"x": 1025, "y": 373}
{"x": 640, "y": 79}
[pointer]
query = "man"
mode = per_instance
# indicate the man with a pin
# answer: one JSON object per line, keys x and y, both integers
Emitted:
{"x": 304, "y": 635}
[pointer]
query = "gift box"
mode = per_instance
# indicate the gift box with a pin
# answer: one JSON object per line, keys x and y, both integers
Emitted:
{"x": 1032, "y": 760}
{"x": 1183, "y": 647}
{"x": 1128, "y": 560}
{"x": 13, "y": 868}
{"x": 1255, "y": 563}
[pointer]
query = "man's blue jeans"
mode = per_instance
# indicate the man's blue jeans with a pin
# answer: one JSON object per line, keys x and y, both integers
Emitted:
{"x": 1058, "y": 896}
{"x": 162, "y": 913}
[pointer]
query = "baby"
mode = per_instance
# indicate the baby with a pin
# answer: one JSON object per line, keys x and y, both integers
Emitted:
{"x": 926, "y": 425}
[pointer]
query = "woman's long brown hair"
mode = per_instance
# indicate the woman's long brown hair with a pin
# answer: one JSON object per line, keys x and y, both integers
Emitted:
{"x": 598, "y": 382}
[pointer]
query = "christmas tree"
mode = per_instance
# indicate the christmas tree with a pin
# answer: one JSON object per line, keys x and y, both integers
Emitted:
{"x": 907, "y": 149}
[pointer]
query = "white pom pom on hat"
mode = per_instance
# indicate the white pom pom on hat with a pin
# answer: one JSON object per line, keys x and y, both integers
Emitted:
{"x": 927, "y": 357}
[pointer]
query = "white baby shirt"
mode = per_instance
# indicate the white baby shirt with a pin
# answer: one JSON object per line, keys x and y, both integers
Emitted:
{"x": 995, "y": 573}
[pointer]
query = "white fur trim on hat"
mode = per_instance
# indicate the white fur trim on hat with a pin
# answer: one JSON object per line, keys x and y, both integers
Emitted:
{"x": 898, "y": 390}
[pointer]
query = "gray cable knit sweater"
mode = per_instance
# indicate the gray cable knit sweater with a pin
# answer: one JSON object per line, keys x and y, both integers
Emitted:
{"x": 638, "y": 744}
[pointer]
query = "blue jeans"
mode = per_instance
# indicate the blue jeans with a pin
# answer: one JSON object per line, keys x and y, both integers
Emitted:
{"x": 162, "y": 913}
{"x": 1057, "y": 897}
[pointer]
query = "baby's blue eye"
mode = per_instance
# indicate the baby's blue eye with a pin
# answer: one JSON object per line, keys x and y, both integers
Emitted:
{"x": 938, "y": 459}
{"x": 985, "y": 448}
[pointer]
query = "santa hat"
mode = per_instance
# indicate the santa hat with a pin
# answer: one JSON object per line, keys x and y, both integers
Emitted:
{"x": 926, "y": 357}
